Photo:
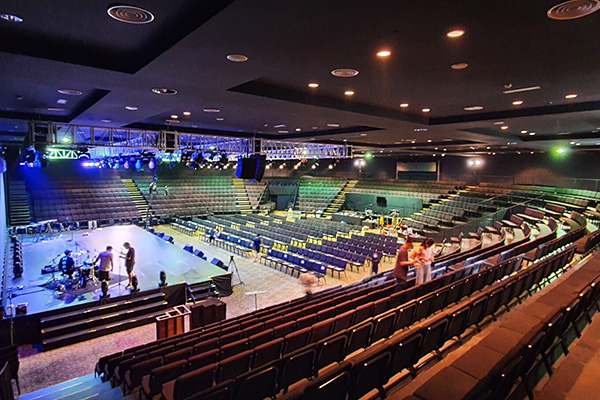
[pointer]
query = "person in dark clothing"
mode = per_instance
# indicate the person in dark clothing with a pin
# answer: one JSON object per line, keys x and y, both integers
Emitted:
{"x": 67, "y": 264}
{"x": 129, "y": 262}
{"x": 256, "y": 246}
{"x": 402, "y": 263}
{"x": 375, "y": 260}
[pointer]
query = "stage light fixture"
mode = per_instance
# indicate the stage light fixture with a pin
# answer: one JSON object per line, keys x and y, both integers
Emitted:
{"x": 151, "y": 163}
{"x": 162, "y": 276}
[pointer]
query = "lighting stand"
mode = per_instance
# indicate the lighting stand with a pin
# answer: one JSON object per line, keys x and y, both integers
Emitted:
{"x": 235, "y": 268}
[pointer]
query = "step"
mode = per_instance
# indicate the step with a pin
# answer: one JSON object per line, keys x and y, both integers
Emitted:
{"x": 87, "y": 312}
{"x": 63, "y": 329}
{"x": 99, "y": 331}
{"x": 50, "y": 392}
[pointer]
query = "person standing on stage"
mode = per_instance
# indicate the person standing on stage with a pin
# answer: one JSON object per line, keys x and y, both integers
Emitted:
{"x": 106, "y": 264}
{"x": 67, "y": 264}
{"x": 256, "y": 246}
{"x": 129, "y": 262}
{"x": 402, "y": 263}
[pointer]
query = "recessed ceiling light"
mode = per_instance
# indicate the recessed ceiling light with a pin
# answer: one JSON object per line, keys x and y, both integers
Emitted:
{"x": 499, "y": 123}
{"x": 313, "y": 85}
{"x": 237, "y": 58}
{"x": 315, "y": 127}
{"x": 573, "y": 9}
{"x": 404, "y": 105}
{"x": 504, "y": 127}
{"x": 363, "y": 134}
{"x": 383, "y": 53}
{"x": 459, "y": 66}
{"x": 279, "y": 126}
{"x": 211, "y": 110}
{"x": 349, "y": 93}
{"x": 455, "y": 33}
{"x": 164, "y": 91}
{"x": 131, "y": 108}
{"x": 521, "y": 90}
{"x": 61, "y": 101}
{"x": 70, "y": 92}
{"x": 298, "y": 129}
{"x": 220, "y": 119}
{"x": 174, "y": 116}
{"x": 571, "y": 96}
{"x": 55, "y": 109}
{"x": 517, "y": 102}
{"x": 344, "y": 72}
{"x": 333, "y": 125}
{"x": 531, "y": 133}
{"x": 282, "y": 131}
{"x": 572, "y": 142}
{"x": 426, "y": 110}
{"x": 11, "y": 18}
{"x": 130, "y": 14}
{"x": 473, "y": 108}
{"x": 429, "y": 140}
{"x": 524, "y": 131}
{"x": 578, "y": 144}
{"x": 106, "y": 120}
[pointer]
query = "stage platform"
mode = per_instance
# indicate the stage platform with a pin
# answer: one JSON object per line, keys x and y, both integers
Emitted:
{"x": 153, "y": 255}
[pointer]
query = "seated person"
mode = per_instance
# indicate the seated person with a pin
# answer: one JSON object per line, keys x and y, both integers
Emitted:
{"x": 67, "y": 264}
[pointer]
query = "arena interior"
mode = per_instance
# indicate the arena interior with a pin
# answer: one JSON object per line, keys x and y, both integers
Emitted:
{"x": 299, "y": 200}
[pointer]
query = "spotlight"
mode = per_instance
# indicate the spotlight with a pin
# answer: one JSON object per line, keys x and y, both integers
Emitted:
{"x": 126, "y": 165}
{"x": 138, "y": 165}
{"x": 330, "y": 166}
{"x": 162, "y": 276}
{"x": 151, "y": 163}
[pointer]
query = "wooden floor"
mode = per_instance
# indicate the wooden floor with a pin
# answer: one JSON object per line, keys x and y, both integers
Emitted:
{"x": 152, "y": 256}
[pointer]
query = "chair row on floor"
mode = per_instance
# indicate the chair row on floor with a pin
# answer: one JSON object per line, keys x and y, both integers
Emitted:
{"x": 403, "y": 351}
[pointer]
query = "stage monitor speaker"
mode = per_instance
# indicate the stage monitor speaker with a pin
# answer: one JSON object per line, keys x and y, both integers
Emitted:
{"x": 218, "y": 263}
{"x": 261, "y": 164}
{"x": 381, "y": 201}
{"x": 246, "y": 168}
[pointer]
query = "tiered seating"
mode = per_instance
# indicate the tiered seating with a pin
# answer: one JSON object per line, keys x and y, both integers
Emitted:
{"x": 82, "y": 200}
{"x": 317, "y": 194}
{"x": 420, "y": 190}
{"x": 190, "y": 196}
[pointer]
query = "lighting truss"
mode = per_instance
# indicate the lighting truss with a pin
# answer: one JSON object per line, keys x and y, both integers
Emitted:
{"x": 62, "y": 154}
{"x": 108, "y": 142}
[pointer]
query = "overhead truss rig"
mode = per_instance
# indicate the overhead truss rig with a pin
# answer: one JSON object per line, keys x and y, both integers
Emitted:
{"x": 104, "y": 141}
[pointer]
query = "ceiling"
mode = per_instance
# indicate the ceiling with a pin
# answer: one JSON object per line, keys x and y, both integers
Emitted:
{"x": 507, "y": 45}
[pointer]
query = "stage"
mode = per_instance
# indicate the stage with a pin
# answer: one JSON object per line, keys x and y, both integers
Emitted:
{"x": 153, "y": 255}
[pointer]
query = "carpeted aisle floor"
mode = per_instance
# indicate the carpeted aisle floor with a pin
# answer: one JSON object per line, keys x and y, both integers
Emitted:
{"x": 42, "y": 369}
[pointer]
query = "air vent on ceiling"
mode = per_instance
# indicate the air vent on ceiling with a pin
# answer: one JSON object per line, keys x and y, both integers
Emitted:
{"x": 130, "y": 14}
{"x": 344, "y": 72}
{"x": 573, "y": 9}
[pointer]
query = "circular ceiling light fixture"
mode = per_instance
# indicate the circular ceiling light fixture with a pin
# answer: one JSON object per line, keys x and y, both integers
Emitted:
{"x": 349, "y": 93}
{"x": 403, "y": 105}
{"x": 313, "y": 85}
{"x": 220, "y": 119}
{"x": 131, "y": 108}
{"x": 211, "y": 110}
{"x": 174, "y": 116}
{"x": 473, "y": 108}
{"x": 384, "y": 53}
{"x": 531, "y": 133}
{"x": 517, "y": 102}
{"x": 237, "y": 58}
{"x": 455, "y": 33}
{"x": 499, "y": 123}
{"x": 426, "y": 110}
{"x": 333, "y": 125}
{"x": 164, "y": 91}
{"x": 459, "y": 66}
{"x": 70, "y": 92}
{"x": 130, "y": 14}
{"x": 11, "y": 18}
{"x": 571, "y": 96}
{"x": 187, "y": 113}
{"x": 344, "y": 72}
{"x": 573, "y": 9}
{"x": 504, "y": 127}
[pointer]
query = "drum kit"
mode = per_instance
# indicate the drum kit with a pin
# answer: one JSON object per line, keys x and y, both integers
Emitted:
{"x": 84, "y": 271}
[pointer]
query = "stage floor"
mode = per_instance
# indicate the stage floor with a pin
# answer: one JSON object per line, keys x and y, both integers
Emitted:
{"x": 152, "y": 256}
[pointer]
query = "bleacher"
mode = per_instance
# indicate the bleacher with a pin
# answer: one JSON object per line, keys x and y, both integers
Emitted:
{"x": 79, "y": 200}
{"x": 318, "y": 193}
{"x": 190, "y": 196}
{"x": 255, "y": 192}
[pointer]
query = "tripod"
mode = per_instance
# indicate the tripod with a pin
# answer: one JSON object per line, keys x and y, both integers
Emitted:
{"x": 235, "y": 268}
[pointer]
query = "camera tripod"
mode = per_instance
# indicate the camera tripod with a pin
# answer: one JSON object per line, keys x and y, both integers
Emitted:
{"x": 235, "y": 268}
